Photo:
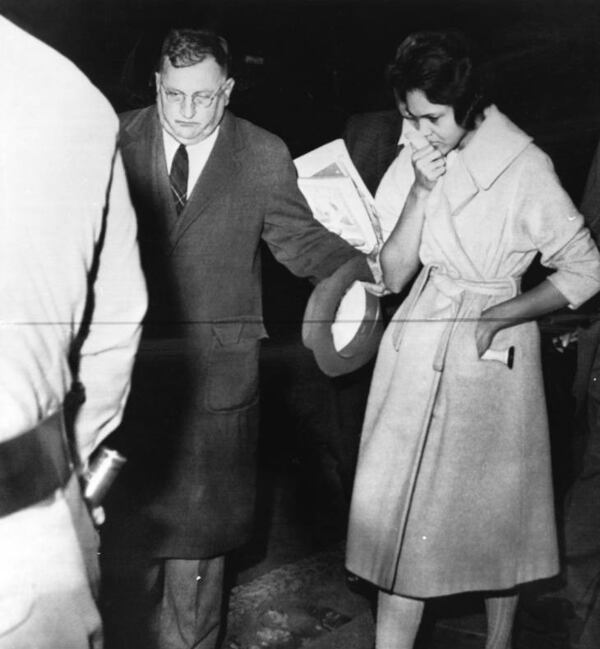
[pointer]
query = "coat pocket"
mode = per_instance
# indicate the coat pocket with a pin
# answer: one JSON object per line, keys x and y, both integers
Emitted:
{"x": 233, "y": 365}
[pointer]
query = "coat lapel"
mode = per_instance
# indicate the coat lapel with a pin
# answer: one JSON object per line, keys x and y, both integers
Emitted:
{"x": 494, "y": 146}
{"x": 160, "y": 179}
{"x": 439, "y": 217}
{"x": 218, "y": 174}
{"x": 143, "y": 142}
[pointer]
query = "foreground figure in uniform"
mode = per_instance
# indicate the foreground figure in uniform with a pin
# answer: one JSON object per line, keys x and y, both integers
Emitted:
{"x": 72, "y": 297}
{"x": 453, "y": 487}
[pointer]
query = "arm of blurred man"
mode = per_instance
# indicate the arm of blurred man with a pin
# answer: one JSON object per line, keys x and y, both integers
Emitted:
{"x": 119, "y": 304}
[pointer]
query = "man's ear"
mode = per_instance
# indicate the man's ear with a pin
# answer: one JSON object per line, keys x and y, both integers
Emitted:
{"x": 228, "y": 89}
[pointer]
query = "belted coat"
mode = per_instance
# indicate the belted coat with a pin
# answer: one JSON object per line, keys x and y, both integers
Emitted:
{"x": 191, "y": 426}
{"x": 453, "y": 489}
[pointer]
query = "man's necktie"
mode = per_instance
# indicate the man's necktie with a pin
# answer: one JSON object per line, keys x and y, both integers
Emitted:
{"x": 179, "y": 177}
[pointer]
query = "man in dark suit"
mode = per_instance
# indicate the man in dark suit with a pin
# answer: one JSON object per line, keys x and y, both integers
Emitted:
{"x": 207, "y": 187}
{"x": 372, "y": 140}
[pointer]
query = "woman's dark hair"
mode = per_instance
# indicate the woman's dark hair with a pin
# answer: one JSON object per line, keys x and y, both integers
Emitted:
{"x": 440, "y": 64}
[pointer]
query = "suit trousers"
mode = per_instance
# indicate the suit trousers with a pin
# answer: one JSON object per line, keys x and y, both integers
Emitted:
{"x": 163, "y": 603}
{"x": 582, "y": 528}
{"x": 48, "y": 575}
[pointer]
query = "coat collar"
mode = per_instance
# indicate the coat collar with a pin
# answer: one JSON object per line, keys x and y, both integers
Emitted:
{"x": 144, "y": 133}
{"x": 494, "y": 146}
{"x": 496, "y": 143}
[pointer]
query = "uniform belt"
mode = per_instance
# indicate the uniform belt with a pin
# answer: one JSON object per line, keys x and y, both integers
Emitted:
{"x": 33, "y": 465}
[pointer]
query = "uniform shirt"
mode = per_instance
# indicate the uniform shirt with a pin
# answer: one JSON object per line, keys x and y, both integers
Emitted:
{"x": 66, "y": 223}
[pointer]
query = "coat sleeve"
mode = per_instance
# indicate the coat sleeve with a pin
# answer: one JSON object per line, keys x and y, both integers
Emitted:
{"x": 108, "y": 349}
{"x": 590, "y": 203}
{"x": 295, "y": 238}
{"x": 557, "y": 230}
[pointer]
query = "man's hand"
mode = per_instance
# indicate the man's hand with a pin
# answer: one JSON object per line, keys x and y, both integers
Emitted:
{"x": 98, "y": 515}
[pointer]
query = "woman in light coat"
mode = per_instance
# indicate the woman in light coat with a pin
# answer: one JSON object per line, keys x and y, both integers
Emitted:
{"x": 453, "y": 487}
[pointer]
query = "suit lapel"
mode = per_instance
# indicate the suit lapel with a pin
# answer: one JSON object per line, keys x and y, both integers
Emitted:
{"x": 217, "y": 176}
{"x": 142, "y": 141}
{"x": 160, "y": 179}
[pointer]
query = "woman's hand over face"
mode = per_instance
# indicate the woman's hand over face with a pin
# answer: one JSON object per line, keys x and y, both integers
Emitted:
{"x": 429, "y": 165}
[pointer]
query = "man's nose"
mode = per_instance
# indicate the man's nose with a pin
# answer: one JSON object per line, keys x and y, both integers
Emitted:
{"x": 188, "y": 108}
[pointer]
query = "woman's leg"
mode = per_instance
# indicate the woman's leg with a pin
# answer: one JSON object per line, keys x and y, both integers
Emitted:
{"x": 398, "y": 620}
{"x": 500, "y": 617}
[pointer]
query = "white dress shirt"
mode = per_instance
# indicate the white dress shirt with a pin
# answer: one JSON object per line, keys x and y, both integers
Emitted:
{"x": 197, "y": 155}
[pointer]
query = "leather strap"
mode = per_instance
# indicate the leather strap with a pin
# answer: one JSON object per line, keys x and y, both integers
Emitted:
{"x": 33, "y": 465}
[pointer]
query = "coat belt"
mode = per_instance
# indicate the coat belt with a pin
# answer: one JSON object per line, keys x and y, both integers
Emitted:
{"x": 455, "y": 288}
{"x": 33, "y": 465}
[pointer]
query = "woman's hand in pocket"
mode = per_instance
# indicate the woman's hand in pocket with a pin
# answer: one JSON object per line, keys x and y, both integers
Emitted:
{"x": 485, "y": 331}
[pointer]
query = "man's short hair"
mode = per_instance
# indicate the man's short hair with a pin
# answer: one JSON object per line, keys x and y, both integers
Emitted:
{"x": 185, "y": 47}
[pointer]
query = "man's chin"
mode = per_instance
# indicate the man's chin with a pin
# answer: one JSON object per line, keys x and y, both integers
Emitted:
{"x": 189, "y": 136}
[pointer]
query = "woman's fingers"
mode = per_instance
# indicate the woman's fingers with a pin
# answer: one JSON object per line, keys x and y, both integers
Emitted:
{"x": 429, "y": 165}
{"x": 431, "y": 168}
{"x": 425, "y": 152}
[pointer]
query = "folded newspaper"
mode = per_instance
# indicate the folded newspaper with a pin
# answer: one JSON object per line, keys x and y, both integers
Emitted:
{"x": 338, "y": 197}
{"x": 340, "y": 200}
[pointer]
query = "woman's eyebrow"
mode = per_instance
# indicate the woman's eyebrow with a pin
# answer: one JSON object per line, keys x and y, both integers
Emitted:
{"x": 434, "y": 115}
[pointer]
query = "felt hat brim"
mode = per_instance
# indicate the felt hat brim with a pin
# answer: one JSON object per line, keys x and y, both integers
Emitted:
{"x": 320, "y": 314}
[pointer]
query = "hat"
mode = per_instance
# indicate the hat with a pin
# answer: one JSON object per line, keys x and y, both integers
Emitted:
{"x": 342, "y": 323}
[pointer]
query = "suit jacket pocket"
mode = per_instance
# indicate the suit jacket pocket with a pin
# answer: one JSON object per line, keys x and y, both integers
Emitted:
{"x": 233, "y": 366}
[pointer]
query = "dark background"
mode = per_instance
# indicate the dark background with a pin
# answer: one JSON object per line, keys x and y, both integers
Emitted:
{"x": 302, "y": 67}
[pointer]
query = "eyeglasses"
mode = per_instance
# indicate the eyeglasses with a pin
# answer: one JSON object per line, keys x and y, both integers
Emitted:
{"x": 203, "y": 99}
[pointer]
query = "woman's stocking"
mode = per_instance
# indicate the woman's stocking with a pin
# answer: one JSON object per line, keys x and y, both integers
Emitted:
{"x": 500, "y": 618}
{"x": 398, "y": 620}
